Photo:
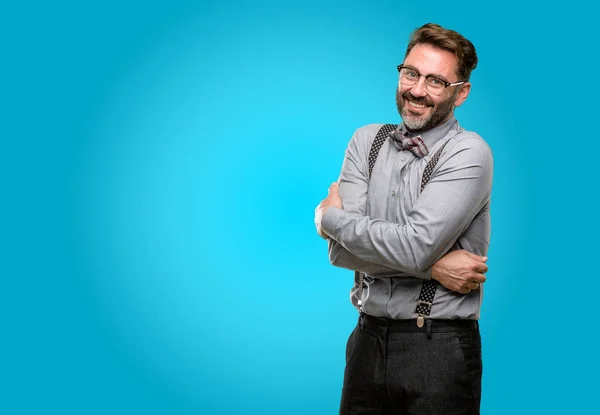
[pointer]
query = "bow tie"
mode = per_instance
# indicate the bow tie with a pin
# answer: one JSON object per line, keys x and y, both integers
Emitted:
{"x": 405, "y": 141}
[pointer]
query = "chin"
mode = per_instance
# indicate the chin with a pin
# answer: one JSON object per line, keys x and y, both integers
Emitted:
{"x": 414, "y": 123}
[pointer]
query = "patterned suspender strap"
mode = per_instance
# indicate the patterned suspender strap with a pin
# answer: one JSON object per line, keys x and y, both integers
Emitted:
{"x": 373, "y": 153}
{"x": 429, "y": 286}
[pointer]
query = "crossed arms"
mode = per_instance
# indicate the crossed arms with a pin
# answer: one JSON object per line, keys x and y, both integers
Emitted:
{"x": 459, "y": 189}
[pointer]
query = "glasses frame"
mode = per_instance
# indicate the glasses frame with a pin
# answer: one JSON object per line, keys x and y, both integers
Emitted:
{"x": 446, "y": 83}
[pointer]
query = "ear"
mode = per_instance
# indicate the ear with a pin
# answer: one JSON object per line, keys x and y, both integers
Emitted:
{"x": 463, "y": 93}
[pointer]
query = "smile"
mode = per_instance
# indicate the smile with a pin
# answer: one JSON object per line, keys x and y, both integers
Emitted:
{"x": 417, "y": 105}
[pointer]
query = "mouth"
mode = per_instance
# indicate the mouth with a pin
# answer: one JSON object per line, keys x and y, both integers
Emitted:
{"x": 416, "y": 108}
{"x": 416, "y": 105}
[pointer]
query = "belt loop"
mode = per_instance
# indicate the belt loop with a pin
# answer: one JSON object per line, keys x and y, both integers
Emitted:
{"x": 428, "y": 322}
{"x": 361, "y": 322}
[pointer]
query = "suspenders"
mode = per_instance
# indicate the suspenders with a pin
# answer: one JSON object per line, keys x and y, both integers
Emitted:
{"x": 373, "y": 153}
{"x": 429, "y": 287}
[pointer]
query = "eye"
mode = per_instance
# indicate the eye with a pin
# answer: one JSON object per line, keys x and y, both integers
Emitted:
{"x": 411, "y": 74}
{"x": 436, "y": 82}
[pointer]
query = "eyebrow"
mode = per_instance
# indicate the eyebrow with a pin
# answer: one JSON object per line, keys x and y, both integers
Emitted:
{"x": 435, "y": 75}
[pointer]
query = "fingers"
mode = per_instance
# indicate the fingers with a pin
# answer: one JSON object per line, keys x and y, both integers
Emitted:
{"x": 333, "y": 188}
{"x": 472, "y": 284}
{"x": 469, "y": 287}
{"x": 323, "y": 206}
{"x": 476, "y": 257}
{"x": 480, "y": 265}
{"x": 478, "y": 278}
{"x": 481, "y": 268}
{"x": 466, "y": 287}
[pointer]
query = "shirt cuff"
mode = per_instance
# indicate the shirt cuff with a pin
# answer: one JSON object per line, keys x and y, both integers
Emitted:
{"x": 330, "y": 220}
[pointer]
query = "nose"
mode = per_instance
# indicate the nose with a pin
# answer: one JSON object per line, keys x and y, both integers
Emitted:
{"x": 419, "y": 89}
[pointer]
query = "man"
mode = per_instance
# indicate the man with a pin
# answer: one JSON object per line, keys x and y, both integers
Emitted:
{"x": 418, "y": 227}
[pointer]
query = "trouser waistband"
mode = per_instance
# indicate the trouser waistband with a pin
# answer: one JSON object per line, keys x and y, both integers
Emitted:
{"x": 410, "y": 325}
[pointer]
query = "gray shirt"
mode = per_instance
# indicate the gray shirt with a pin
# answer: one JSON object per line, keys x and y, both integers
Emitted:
{"x": 394, "y": 233}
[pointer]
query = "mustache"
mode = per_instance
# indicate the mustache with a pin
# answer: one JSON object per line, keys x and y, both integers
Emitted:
{"x": 421, "y": 101}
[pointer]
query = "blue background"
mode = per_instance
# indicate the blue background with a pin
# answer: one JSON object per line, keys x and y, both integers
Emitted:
{"x": 161, "y": 162}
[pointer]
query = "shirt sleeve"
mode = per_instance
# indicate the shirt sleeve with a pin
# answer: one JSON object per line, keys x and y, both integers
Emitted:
{"x": 459, "y": 188}
{"x": 353, "y": 187}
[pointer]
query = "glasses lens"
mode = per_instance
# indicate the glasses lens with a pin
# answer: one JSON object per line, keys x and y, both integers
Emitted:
{"x": 434, "y": 86}
{"x": 408, "y": 76}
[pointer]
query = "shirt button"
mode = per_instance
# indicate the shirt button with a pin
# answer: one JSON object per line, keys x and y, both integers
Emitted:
{"x": 403, "y": 159}
{"x": 393, "y": 193}
{"x": 387, "y": 292}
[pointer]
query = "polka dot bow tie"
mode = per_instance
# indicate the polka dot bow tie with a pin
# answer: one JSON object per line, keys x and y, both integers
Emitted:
{"x": 405, "y": 141}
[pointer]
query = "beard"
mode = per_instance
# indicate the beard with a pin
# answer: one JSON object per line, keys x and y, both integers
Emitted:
{"x": 418, "y": 123}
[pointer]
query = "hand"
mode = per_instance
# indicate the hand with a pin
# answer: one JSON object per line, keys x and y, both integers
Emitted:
{"x": 460, "y": 271}
{"x": 332, "y": 200}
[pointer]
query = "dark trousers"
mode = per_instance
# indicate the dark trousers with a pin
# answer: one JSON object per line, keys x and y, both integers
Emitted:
{"x": 395, "y": 367}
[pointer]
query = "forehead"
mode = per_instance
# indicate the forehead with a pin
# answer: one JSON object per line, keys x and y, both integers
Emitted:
{"x": 428, "y": 59}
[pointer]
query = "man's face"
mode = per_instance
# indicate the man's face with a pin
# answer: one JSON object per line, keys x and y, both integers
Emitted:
{"x": 419, "y": 109}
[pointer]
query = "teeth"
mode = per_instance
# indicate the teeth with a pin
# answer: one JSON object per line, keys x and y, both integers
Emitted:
{"x": 416, "y": 105}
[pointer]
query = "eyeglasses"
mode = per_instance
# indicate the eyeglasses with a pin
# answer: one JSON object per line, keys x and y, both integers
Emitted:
{"x": 434, "y": 85}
